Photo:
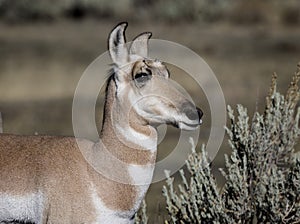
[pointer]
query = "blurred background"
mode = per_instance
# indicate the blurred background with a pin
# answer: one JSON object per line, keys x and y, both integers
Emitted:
{"x": 45, "y": 46}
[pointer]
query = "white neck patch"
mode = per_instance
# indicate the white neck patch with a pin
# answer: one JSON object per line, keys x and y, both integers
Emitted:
{"x": 132, "y": 136}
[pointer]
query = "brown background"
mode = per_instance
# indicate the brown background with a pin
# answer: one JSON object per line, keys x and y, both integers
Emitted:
{"x": 45, "y": 47}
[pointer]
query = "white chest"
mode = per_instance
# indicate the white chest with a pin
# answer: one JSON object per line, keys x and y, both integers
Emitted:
{"x": 106, "y": 215}
{"x": 141, "y": 176}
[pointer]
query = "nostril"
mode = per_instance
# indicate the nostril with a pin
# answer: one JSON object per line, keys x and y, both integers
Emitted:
{"x": 200, "y": 113}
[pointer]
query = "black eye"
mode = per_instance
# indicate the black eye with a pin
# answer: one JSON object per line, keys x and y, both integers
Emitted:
{"x": 142, "y": 77}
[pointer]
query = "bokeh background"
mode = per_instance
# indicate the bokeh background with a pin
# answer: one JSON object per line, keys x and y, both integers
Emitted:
{"x": 45, "y": 46}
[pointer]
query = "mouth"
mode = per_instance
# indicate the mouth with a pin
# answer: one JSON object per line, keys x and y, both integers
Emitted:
{"x": 188, "y": 126}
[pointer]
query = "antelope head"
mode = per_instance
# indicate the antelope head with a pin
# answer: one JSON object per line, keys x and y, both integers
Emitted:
{"x": 143, "y": 87}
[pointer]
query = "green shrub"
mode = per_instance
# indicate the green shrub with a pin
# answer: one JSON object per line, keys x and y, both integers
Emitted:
{"x": 262, "y": 174}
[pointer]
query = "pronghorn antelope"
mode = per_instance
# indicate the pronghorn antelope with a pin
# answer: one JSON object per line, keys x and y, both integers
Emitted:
{"x": 46, "y": 179}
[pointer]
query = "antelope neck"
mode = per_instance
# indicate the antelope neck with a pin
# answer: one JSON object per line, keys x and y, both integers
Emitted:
{"x": 126, "y": 135}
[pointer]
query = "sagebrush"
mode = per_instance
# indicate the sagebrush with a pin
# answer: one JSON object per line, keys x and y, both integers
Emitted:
{"x": 262, "y": 173}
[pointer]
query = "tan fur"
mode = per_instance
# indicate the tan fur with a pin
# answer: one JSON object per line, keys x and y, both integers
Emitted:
{"x": 52, "y": 165}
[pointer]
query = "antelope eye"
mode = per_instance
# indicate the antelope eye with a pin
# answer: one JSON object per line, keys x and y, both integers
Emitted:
{"x": 142, "y": 77}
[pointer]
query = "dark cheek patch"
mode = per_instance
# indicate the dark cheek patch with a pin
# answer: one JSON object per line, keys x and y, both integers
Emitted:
{"x": 171, "y": 105}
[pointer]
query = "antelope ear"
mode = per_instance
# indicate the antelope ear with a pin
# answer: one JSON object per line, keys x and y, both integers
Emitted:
{"x": 117, "y": 45}
{"x": 139, "y": 45}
